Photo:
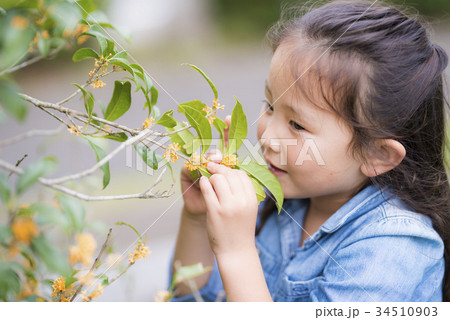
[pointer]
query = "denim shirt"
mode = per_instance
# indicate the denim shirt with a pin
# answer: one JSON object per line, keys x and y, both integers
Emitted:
{"x": 372, "y": 249}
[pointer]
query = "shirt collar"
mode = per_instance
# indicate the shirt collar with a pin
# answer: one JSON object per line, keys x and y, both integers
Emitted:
{"x": 367, "y": 199}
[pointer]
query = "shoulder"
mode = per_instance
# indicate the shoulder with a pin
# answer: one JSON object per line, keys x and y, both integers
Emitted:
{"x": 394, "y": 221}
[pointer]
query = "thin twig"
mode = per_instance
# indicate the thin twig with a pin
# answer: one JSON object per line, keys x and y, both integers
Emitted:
{"x": 29, "y": 134}
{"x": 104, "y": 160}
{"x": 54, "y": 116}
{"x": 32, "y": 60}
{"x": 83, "y": 86}
{"x": 82, "y": 196}
{"x": 121, "y": 273}
{"x": 105, "y": 244}
{"x": 18, "y": 163}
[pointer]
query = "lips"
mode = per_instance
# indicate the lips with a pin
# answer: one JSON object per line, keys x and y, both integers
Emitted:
{"x": 275, "y": 170}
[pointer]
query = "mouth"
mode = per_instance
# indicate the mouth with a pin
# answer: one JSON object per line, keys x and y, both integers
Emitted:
{"x": 275, "y": 170}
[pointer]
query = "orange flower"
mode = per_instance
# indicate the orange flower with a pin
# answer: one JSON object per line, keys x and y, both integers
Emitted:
{"x": 230, "y": 160}
{"x": 24, "y": 229}
{"x": 75, "y": 130}
{"x": 171, "y": 152}
{"x": 148, "y": 123}
{"x": 140, "y": 252}
{"x": 59, "y": 286}
{"x": 19, "y": 22}
{"x": 196, "y": 161}
{"x": 84, "y": 250}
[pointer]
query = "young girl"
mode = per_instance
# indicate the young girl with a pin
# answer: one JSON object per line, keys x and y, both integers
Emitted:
{"x": 370, "y": 222}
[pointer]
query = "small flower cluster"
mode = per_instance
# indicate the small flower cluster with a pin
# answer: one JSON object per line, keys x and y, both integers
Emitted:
{"x": 100, "y": 64}
{"x": 196, "y": 161}
{"x": 211, "y": 112}
{"x": 230, "y": 160}
{"x": 24, "y": 229}
{"x": 97, "y": 292}
{"x": 171, "y": 152}
{"x": 148, "y": 123}
{"x": 97, "y": 84}
{"x": 140, "y": 251}
{"x": 60, "y": 292}
{"x": 75, "y": 130}
{"x": 84, "y": 250}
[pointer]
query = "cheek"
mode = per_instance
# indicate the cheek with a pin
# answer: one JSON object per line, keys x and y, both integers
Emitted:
{"x": 261, "y": 127}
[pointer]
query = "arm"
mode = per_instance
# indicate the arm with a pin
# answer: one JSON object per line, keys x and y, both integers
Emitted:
{"x": 192, "y": 247}
{"x": 231, "y": 218}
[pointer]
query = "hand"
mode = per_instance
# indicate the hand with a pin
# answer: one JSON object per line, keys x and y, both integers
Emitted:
{"x": 232, "y": 207}
{"x": 194, "y": 204}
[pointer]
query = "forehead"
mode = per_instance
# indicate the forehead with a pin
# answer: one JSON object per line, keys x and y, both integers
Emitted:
{"x": 295, "y": 79}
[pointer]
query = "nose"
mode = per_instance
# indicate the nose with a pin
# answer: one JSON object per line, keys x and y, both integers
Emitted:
{"x": 270, "y": 140}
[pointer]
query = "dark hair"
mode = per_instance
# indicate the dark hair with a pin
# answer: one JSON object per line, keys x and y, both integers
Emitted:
{"x": 395, "y": 93}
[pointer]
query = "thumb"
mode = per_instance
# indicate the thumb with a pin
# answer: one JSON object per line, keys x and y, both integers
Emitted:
{"x": 226, "y": 130}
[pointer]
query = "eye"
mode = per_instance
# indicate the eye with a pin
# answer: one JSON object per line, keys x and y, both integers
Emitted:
{"x": 268, "y": 106}
{"x": 296, "y": 126}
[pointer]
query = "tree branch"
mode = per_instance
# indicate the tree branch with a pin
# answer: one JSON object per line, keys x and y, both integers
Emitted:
{"x": 29, "y": 134}
{"x": 97, "y": 166}
{"x": 81, "y": 196}
{"x": 31, "y": 61}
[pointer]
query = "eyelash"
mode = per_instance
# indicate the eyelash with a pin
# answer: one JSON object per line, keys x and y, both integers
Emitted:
{"x": 294, "y": 124}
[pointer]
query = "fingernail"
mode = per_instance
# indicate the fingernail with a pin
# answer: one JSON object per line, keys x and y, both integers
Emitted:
{"x": 212, "y": 164}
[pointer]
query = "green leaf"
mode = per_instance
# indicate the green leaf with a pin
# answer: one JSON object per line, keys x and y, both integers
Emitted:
{"x": 188, "y": 272}
{"x": 120, "y": 137}
{"x": 100, "y": 154}
{"x": 2, "y": 11}
{"x": 11, "y": 102}
{"x": 183, "y": 137}
{"x": 147, "y": 155}
{"x": 84, "y": 53}
{"x": 211, "y": 84}
{"x": 34, "y": 171}
{"x": 5, "y": 190}
{"x": 238, "y": 128}
{"x": 197, "y": 105}
{"x": 54, "y": 260}
{"x": 194, "y": 174}
{"x": 260, "y": 194}
{"x": 164, "y": 162}
{"x": 120, "y": 101}
{"x": 43, "y": 45}
{"x": 122, "y": 55}
{"x": 88, "y": 100}
{"x": 9, "y": 281}
{"x": 266, "y": 178}
{"x": 48, "y": 215}
{"x": 220, "y": 126}
{"x": 154, "y": 94}
{"x": 121, "y": 63}
{"x": 75, "y": 211}
{"x": 200, "y": 124}
{"x": 156, "y": 112}
{"x": 204, "y": 172}
{"x": 5, "y": 234}
{"x": 167, "y": 120}
{"x": 87, "y": 6}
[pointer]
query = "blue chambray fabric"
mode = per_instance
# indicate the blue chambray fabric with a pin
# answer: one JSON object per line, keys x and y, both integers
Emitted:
{"x": 372, "y": 249}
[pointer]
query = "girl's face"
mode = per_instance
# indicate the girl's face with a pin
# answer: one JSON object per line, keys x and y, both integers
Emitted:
{"x": 306, "y": 147}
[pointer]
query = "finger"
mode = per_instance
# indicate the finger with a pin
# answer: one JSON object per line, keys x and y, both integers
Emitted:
{"x": 222, "y": 187}
{"x": 226, "y": 130}
{"x": 209, "y": 195}
{"x": 218, "y": 168}
{"x": 214, "y": 155}
{"x": 232, "y": 176}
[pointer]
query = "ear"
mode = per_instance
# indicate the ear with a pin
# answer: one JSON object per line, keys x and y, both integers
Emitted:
{"x": 389, "y": 154}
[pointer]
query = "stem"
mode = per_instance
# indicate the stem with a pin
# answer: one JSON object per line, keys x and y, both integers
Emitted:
{"x": 31, "y": 61}
{"x": 95, "y": 262}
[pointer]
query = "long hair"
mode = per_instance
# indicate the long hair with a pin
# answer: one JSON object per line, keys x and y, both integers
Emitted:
{"x": 384, "y": 78}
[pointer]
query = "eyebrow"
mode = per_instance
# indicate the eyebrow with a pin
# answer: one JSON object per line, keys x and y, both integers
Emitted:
{"x": 288, "y": 106}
